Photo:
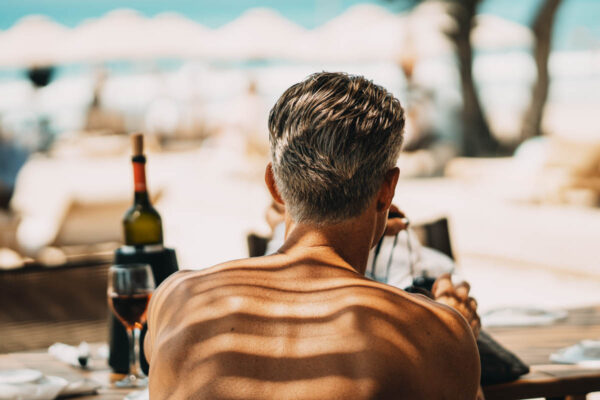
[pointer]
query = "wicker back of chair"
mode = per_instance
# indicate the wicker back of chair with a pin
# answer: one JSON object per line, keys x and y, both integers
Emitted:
{"x": 40, "y": 306}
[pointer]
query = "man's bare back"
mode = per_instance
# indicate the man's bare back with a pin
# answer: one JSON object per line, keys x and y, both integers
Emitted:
{"x": 286, "y": 327}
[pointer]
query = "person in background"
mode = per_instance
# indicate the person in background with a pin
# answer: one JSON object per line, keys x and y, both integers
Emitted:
{"x": 305, "y": 322}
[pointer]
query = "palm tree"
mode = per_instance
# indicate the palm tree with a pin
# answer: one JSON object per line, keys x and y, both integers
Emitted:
{"x": 542, "y": 30}
{"x": 477, "y": 137}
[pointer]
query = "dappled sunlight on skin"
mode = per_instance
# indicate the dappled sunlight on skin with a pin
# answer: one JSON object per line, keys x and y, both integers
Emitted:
{"x": 258, "y": 264}
{"x": 352, "y": 317}
{"x": 275, "y": 347}
{"x": 249, "y": 389}
{"x": 277, "y": 369}
{"x": 297, "y": 325}
{"x": 344, "y": 322}
{"x": 246, "y": 331}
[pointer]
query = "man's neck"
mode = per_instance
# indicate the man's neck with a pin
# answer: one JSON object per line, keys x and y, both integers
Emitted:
{"x": 345, "y": 245}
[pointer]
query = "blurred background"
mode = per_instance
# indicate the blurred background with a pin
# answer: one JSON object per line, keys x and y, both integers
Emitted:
{"x": 502, "y": 137}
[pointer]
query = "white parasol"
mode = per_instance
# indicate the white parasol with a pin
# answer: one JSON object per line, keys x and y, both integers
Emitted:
{"x": 257, "y": 34}
{"x": 491, "y": 32}
{"x": 174, "y": 36}
{"x": 120, "y": 34}
{"x": 32, "y": 41}
{"x": 428, "y": 22}
{"x": 127, "y": 35}
{"x": 363, "y": 32}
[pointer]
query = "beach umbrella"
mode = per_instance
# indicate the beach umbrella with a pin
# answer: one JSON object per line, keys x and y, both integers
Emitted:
{"x": 177, "y": 36}
{"x": 491, "y": 32}
{"x": 127, "y": 35}
{"x": 119, "y": 35}
{"x": 257, "y": 34}
{"x": 428, "y": 22}
{"x": 364, "y": 32}
{"x": 34, "y": 41}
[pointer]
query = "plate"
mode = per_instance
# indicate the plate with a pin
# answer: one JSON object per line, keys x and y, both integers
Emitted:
{"x": 18, "y": 376}
{"x": 586, "y": 353}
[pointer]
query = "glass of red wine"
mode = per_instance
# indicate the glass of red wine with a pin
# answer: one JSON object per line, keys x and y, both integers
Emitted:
{"x": 130, "y": 287}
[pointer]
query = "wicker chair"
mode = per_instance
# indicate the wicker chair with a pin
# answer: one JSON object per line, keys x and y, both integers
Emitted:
{"x": 42, "y": 305}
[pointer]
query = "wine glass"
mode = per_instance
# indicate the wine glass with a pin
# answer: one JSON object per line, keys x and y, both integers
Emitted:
{"x": 130, "y": 287}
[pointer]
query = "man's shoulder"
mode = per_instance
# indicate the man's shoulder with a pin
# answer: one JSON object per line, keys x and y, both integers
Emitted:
{"x": 450, "y": 351}
{"x": 437, "y": 334}
{"x": 427, "y": 321}
{"x": 175, "y": 290}
{"x": 182, "y": 280}
{"x": 441, "y": 326}
{"x": 398, "y": 301}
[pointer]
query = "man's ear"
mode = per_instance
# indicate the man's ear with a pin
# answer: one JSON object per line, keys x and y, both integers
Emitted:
{"x": 271, "y": 185}
{"x": 388, "y": 189}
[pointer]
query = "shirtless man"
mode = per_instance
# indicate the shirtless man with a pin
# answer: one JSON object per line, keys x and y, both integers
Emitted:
{"x": 305, "y": 323}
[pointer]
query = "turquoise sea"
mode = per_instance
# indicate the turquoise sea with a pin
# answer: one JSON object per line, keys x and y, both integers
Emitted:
{"x": 577, "y": 27}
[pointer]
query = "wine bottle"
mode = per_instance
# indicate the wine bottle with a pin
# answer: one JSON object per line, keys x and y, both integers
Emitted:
{"x": 142, "y": 229}
{"x": 142, "y": 225}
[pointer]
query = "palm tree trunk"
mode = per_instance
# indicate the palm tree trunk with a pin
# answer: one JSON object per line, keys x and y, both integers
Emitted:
{"x": 542, "y": 30}
{"x": 477, "y": 137}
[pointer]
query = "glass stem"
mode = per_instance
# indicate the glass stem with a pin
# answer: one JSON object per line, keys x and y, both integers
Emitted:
{"x": 133, "y": 353}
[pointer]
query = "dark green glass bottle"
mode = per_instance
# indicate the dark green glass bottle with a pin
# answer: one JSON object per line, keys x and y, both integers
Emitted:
{"x": 142, "y": 225}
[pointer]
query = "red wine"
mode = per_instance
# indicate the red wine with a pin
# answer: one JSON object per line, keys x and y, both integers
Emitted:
{"x": 130, "y": 309}
{"x": 164, "y": 263}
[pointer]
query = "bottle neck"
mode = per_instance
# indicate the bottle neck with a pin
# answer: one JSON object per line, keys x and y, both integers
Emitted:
{"x": 141, "y": 198}
{"x": 139, "y": 180}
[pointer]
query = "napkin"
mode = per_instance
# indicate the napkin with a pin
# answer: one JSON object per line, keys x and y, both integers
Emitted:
{"x": 69, "y": 354}
{"x": 74, "y": 355}
{"x": 521, "y": 316}
{"x": 43, "y": 388}
{"x": 584, "y": 353}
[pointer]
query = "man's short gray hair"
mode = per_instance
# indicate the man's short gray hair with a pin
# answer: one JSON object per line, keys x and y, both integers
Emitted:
{"x": 333, "y": 137}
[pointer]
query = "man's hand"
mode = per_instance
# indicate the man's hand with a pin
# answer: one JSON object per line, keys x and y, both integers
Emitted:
{"x": 396, "y": 221}
{"x": 458, "y": 298}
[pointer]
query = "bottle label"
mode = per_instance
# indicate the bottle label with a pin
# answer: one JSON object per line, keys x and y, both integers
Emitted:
{"x": 139, "y": 177}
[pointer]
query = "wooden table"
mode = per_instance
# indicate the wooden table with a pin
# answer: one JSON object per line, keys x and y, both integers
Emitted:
{"x": 532, "y": 344}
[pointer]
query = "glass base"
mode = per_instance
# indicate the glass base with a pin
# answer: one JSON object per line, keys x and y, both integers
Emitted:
{"x": 132, "y": 381}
